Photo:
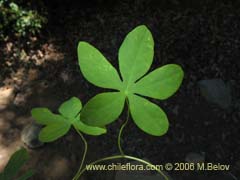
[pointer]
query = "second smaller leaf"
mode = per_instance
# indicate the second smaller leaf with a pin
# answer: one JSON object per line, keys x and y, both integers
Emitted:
{"x": 57, "y": 125}
{"x": 70, "y": 108}
{"x": 90, "y": 130}
{"x": 54, "y": 131}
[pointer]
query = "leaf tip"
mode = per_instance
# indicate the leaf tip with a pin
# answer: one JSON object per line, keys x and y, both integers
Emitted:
{"x": 34, "y": 112}
{"x": 82, "y": 43}
{"x": 142, "y": 26}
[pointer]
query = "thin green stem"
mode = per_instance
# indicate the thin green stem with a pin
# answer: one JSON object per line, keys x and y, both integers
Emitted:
{"x": 126, "y": 157}
{"x": 122, "y": 155}
{"x": 76, "y": 177}
{"x": 121, "y": 130}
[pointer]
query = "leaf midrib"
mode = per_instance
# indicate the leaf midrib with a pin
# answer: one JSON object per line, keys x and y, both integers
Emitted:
{"x": 131, "y": 72}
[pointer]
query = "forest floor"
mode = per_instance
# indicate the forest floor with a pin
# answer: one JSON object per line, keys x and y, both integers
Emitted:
{"x": 44, "y": 71}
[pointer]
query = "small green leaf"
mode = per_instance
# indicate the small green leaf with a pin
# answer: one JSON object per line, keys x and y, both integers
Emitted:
{"x": 103, "y": 109}
{"x": 95, "y": 67}
{"x": 90, "y": 130}
{"x": 136, "y": 54}
{"x": 26, "y": 175}
{"x": 54, "y": 131}
{"x": 148, "y": 116}
{"x": 160, "y": 83}
{"x": 15, "y": 163}
{"x": 45, "y": 116}
{"x": 70, "y": 108}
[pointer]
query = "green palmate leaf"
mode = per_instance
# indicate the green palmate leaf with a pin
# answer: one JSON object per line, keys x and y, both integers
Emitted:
{"x": 15, "y": 163}
{"x": 96, "y": 69}
{"x": 54, "y": 131}
{"x": 103, "y": 109}
{"x": 90, "y": 130}
{"x": 160, "y": 83}
{"x": 26, "y": 175}
{"x": 136, "y": 54}
{"x": 70, "y": 108}
{"x": 58, "y": 125}
{"x": 45, "y": 116}
{"x": 148, "y": 116}
{"x": 135, "y": 59}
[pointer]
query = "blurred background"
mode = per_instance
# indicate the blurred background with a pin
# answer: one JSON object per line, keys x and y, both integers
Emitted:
{"x": 39, "y": 67}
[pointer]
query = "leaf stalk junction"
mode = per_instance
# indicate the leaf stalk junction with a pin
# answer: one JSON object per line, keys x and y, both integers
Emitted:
{"x": 122, "y": 155}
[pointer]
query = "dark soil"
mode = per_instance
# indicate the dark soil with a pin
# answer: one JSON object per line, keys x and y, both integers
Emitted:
{"x": 204, "y": 38}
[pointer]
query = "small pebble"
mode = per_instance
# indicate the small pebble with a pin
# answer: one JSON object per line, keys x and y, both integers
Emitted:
{"x": 29, "y": 136}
